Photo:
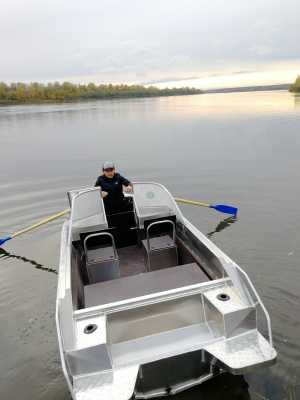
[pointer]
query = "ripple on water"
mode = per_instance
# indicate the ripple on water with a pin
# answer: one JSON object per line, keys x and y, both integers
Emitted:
{"x": 223, "y": 162}
{"x": 285, "y": 313}
{"x": 26, "y": 202}
{"x": 7, "y": 298}
{"x": 21, "y": 208}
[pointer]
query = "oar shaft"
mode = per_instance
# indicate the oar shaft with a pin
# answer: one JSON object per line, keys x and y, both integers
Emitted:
{"x": 220, "y": 207}
{"x": 192, "y": 202}
{"x": 43, "y": 222}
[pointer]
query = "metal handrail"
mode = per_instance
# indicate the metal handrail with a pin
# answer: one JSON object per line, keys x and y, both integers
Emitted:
{"x": 101, "y": 234}
{"x": 267, "y": 316}
{"x": 165, "y": 221}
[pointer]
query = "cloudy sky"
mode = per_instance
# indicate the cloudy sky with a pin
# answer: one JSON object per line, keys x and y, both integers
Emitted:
{"x": 203, "y": 42}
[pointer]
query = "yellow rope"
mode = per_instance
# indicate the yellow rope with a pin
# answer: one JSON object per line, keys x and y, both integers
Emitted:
{"x": 43, "y": 222}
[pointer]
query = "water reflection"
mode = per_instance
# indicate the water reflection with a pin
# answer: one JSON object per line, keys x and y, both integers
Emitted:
{"x": 230, "y": 104}
{"x": 293, "y": 392}
{"x": 225, "y": 386}
{"x": 297, "y": 100}
{"x": 214, "y": 104}
{"x": 225, "y": 223}
{"x": 5, "y": 254}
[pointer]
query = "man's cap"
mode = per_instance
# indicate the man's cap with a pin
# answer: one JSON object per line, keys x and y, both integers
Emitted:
{"x": 108, "y": 164}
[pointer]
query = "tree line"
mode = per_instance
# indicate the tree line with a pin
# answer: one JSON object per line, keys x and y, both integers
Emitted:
{"x": 295, "y": 87}
{"x": 67, "y": 91}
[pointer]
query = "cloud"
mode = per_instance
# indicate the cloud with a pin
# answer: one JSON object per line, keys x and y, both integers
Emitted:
{"x": 261, "y": 50}
{"x": 113, "y": 40}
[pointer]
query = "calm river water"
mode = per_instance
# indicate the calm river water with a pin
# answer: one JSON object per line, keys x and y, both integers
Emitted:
{"x": 232, "y": 148}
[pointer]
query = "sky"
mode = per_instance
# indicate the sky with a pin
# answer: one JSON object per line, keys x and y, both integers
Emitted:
{"x": 202, "y": 43}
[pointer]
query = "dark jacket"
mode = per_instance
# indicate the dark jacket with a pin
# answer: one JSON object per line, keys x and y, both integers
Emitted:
{"x": 115, "y": 200}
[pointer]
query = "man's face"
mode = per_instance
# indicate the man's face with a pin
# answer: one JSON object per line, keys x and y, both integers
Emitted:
{"x": 109, "y": 172}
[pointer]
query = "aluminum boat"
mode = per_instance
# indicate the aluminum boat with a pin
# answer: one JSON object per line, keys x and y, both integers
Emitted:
{"x": 147, "y": 305}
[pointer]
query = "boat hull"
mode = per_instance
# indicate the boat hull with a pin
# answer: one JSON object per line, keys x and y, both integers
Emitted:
{"x": 155, "y": 332}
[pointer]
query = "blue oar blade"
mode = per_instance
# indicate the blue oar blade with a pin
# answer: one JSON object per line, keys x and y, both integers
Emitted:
{"x": 225, "y": 209}
{"x": 5, "y": 239}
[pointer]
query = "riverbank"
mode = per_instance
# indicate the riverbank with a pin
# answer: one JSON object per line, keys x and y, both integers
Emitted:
{"x": 36, "y": 93}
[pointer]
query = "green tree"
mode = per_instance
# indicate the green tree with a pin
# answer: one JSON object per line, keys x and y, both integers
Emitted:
{"x": 295, "y": 87}
{"x": 67, "y": 91}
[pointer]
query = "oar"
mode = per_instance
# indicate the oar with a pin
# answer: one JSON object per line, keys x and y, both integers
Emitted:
{"x": 219, "y": 207}
{"x": 30, "y": 228}
{"x": 223, "y": 208}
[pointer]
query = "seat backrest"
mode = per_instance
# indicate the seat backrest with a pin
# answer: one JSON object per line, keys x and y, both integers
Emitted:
{"x": 156, "y": 226}
{"x": 102, "y": 261}
{"x": 103, "y": 271}
{"x": 161, "y": 248}
{"x": 99, "y": 247}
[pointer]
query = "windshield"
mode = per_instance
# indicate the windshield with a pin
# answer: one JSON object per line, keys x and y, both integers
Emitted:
{"x": 153, "y": 200}
{"x": 87, "y": 211}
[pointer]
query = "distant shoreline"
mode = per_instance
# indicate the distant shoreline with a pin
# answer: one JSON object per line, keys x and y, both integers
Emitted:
{"x": 83, "y": 100}
{"x": 258, "y": 88}
{"x": 117, "y": 92}
{"x": 38, "y": 93}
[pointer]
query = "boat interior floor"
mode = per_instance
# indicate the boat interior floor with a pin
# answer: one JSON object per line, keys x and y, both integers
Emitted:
{"x": 131, "y": 260}
{"x": 144, "y": 284}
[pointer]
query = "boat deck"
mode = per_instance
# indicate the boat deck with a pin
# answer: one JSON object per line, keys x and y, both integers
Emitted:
{"x": 143, "y": 284}
{"x": 131, "y": 260}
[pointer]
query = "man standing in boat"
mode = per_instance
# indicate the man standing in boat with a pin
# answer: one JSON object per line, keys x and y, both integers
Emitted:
{"x": 112, "y": 186}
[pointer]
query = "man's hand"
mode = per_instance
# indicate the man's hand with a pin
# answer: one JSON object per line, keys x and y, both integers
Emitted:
{"x": 128, "y": 189}
{"x": 104, "y": 194}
